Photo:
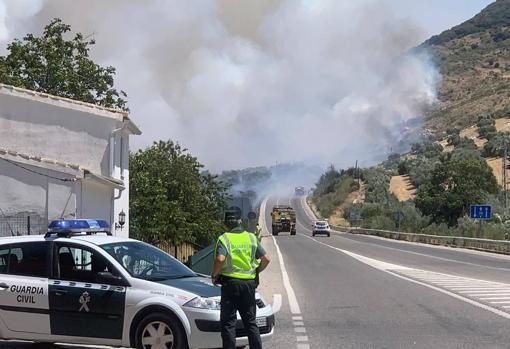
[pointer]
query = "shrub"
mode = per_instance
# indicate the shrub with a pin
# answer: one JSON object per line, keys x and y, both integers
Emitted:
{"x": 487, "y": 131}
{"x": 379, "y": 222}
{"x": 437, "y": 229}
{"x": 329, "y": 202}
{"x": 496, "y": 145}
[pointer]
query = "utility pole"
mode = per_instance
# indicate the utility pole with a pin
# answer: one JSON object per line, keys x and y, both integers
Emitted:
{"x": 504, "y": 173}
{"x": 356, "y": 173}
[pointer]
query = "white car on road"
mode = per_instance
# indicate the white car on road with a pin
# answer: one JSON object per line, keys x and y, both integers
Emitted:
{"x": 75, "y": 285}
{"x": 321, "y": 227}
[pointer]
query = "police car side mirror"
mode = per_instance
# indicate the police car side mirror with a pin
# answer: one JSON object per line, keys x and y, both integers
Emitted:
{"x": 105, "y": 277}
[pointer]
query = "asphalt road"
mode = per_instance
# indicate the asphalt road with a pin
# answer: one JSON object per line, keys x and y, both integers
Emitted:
{"x": 364, "y": 292}
{"x": 354, "y": 291}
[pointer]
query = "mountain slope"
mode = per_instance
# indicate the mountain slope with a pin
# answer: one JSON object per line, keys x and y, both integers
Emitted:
{"x": 474, "y": 60}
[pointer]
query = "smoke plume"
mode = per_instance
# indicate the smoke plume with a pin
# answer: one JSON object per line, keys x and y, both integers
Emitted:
{"x": 254, "y": 82}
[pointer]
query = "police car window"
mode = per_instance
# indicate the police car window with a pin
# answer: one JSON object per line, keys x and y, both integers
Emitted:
{"x": 28, "y": 259}
{"x": 79, "y": 264}
{"x": 147, "y": 262}
{"x": 4, "y": 252}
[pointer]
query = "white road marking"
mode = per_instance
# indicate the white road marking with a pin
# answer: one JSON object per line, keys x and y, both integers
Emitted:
{"x": 478, "y": 289}
{"x": 277, "y": 302}
{"x": 474, "y": 293}
{"x": 303, "y": 346}
{"x": 294, "y": 305}
{"x": 494, "y": 298}
{"x": 308, "y": 211}
{"x": 421, "y": 277}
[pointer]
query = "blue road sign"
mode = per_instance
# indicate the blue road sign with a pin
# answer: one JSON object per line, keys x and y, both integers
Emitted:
{"x": 480, "y": 212}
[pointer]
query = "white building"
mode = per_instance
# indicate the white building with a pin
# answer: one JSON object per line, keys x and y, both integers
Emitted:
{"x": 61, "y": 158}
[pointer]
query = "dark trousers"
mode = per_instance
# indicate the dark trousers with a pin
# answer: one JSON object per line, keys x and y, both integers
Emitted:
{"x": 239, "y": 295}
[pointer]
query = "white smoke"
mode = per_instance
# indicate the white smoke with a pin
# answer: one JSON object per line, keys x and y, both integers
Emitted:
{"x": 255, "y": 82}
{"x": 13, "y": 14}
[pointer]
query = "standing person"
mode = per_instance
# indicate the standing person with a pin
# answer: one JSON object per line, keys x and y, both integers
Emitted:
{"x": 258, "y": 232}
{"x": 236, "y": 268}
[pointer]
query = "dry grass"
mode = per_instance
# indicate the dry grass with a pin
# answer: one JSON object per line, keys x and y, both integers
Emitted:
{"x": 402, "y": 188}
{"x": 446, "y": 148}
{"x": 503, "y": 125}
{"x": 472, "y": 133}
{"x": 497, "y": 168}
{"x": 471, "y": 86}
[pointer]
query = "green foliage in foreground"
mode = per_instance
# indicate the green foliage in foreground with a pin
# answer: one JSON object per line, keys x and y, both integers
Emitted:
{"x": 454, "y": 185}
{"x": 59, "y": 66}
{"x": 170, "y": 199}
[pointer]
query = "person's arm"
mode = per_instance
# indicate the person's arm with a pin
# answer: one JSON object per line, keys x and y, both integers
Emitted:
{"x": 264, "y": 262}
{"x": 218, "y": 264}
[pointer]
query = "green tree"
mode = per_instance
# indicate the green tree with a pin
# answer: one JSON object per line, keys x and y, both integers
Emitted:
{"x": 327, "y": 181}
{"x": 59, "y": 66}
{"x": 455, "y": 184}
{"x": 171, "y": 199}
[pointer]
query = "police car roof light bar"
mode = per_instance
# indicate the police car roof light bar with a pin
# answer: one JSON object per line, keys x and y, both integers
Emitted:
{"x": 66, "y": 228}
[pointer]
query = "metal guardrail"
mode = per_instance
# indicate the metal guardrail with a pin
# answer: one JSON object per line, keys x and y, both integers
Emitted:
{"x": 487, "y": 245}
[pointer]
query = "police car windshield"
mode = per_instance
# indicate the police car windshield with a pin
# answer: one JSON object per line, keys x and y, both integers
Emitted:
{"x": 146, "y": 262}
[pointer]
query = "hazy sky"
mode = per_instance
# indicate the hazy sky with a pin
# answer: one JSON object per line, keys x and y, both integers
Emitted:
{"x": 434, "y": 16}
{"x": 254, "y": 82}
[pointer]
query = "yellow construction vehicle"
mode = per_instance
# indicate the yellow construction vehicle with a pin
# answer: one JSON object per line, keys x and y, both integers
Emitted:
{"x": 283, "y": 220}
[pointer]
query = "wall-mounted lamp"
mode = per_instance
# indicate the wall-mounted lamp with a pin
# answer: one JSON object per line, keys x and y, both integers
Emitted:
{"x": 122, "y": 221}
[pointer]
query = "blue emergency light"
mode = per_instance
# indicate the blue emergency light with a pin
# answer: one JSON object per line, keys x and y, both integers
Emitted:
{"x": 64, "y": 227}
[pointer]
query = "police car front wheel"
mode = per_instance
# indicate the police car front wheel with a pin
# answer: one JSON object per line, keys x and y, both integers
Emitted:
{"x": 160, "y": 331}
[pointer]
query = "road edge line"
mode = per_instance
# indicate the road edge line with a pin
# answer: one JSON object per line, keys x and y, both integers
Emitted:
{"x": 294, "y": 306}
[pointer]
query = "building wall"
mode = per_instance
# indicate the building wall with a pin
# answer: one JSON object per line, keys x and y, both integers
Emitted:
{"x": 96, "y": 201}
{"x": 24, "y": 193}
{"x": 58, "y": 130}
{"x": 121, "y": 171}
{"x": 65, "y": 134}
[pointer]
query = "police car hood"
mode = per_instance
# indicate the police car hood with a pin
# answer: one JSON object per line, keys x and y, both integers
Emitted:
{"x": 201, "y": 286}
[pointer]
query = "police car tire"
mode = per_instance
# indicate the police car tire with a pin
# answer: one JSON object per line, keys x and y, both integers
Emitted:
{"x": 171, "y": 321}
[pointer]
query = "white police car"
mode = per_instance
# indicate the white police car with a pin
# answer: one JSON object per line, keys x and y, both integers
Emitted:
{"x": 75, "y": 285}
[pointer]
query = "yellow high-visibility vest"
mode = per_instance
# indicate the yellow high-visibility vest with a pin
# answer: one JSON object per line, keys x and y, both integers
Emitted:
{"x": 241, "y": 249}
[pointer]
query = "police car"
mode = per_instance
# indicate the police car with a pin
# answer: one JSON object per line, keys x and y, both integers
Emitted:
{"x": 78, "y": 284}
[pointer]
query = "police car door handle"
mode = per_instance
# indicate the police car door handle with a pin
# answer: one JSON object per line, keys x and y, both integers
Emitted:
{"x": 60, "y": 292}
{"x": 3, "y": 286}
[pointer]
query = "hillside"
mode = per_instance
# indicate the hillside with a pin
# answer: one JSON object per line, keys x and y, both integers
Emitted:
{"x": 474, "y": 60}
